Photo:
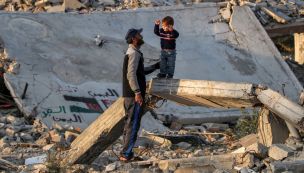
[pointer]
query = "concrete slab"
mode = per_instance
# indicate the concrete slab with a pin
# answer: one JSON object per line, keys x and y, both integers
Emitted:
{"x": 71, "y": 80}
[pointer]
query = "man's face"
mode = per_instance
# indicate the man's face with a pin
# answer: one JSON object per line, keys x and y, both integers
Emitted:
{"x": 138, "y": 39}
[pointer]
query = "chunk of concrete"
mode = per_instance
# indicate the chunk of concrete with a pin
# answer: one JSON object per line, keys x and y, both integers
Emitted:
{"x": 258, "y": 149}
{"x": 248, "y": 140}
{"x": 72, "y": 5}
{"x": 56, "y": 9}
{"x": 280, "y": 151}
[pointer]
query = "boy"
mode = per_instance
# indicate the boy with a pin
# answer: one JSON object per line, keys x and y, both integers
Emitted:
{"x": 167, "y": 36}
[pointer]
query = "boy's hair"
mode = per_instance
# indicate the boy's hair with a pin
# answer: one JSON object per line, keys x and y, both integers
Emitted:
{"x": 168, "y": 20}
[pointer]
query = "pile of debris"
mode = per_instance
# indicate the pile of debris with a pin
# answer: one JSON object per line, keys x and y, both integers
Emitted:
{"x": 273, "y": 11}
{"x": 81, "y": 6}
{"x": 36, "y": 6}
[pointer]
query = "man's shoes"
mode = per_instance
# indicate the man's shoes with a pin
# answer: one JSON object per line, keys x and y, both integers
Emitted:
{"x": 159, "y": 75}
{"x": 132, "y": 159}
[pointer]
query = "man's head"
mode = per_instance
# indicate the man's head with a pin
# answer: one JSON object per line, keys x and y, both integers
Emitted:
{"x": 167, "y": 23}
{"x": 134, "y": 37}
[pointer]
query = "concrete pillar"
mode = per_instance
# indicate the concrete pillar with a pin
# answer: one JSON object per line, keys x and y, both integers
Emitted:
{"x": 299, "y": 47}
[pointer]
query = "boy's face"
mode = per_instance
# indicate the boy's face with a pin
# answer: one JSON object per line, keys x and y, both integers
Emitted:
{"x": 167, "y": 27}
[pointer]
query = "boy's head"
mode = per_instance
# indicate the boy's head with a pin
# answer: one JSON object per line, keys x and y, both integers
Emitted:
{"x": 167, "y": 23}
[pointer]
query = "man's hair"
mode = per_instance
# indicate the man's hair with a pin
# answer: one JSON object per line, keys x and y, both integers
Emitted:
{"x": 168, "y": 20}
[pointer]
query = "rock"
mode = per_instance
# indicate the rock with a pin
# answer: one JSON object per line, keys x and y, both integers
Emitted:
{"x": 184, "y": 145}
{"x": 10, "y": 131}
{"x": 199, "y": 152}
{"x": 36, "y": 160}
{"x": 72, "y": 5}
{"x": 70, "y": 136}
{"x": 259, "y": 149}
{"x": 246, "y": 160}
{"x": 44, "y": 139}
{"x": 7, "y": 150}
{"x": 248, "y": 140}
{"x": 2, "y": 125}
{"x": 14, "y": 120}
{"x": 111, "y": 167}
{"x": 226, "y": 13}
{"x": 26, "y": 137}
{"x": 295, "y": 147}
{"x": 48, "y": 147}
{"x": 239, "y": 151}
{"x": 2, "y": 4}
{"x": 4, "y": 142}
{"x": 56, "y": 9}
{"x": 3, "y": 120}
{"x": 195, "y": 128}
{"x": 176, "y": 125}
{"x": 215, "y": 127}
{"x": 55, "y": 136}
{"x": 280, "y": 151}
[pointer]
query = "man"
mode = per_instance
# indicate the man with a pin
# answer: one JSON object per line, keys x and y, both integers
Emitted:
{"x": 134, "y": 90}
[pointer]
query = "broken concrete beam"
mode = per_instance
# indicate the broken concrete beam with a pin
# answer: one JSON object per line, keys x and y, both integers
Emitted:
{"x": 274, "y": 15}
{"x": 204, "y": 93}
{"x": 280, "y": 151}
{"x": 271, "y": 129}
{"x": 292, "y": 166}
{"x": 287, "y": 29}
{"x": 98, "y": 136}
{"x": 299, "y": 47}
{"x": 282, "y": 107}
{"x": 219, "y": 161}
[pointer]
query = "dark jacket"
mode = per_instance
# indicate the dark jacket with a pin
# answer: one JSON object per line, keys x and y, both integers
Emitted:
{"x": 167, "y": 38}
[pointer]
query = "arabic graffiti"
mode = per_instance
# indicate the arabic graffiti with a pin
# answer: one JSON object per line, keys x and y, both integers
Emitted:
{"x": 74, "y": 119}
{"x": 91, "y": 103}
{"x": 51, "y": 111}
{"x": 70, "y": 89}
{"x": 108, "y": 93}
{"x": 107, "y": 103}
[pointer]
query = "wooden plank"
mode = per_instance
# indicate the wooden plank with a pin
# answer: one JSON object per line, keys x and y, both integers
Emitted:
{"x": 299, "y": 47}
{"x": 98, "y": 136}
{"x": 285, "y": 29}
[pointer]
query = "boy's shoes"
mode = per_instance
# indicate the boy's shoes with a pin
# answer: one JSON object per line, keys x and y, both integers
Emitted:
{"x": 169, "y": 76}
{"x": 159, "y": 75}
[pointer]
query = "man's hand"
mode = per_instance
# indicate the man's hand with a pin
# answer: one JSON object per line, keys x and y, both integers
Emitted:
{"x": 157, "y": 22}
{"x": 138, "y": 98}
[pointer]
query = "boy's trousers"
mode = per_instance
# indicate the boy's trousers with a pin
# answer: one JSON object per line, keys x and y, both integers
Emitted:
{"x": 132, "y": 123}
{"x": 167, "y": 62}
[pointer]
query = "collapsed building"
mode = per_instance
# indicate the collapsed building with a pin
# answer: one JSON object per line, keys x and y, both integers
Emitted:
{"x": 57, "y": 73}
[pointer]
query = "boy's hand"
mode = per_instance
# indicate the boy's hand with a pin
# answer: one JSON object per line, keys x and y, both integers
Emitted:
{"x": 157, "y": 22}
